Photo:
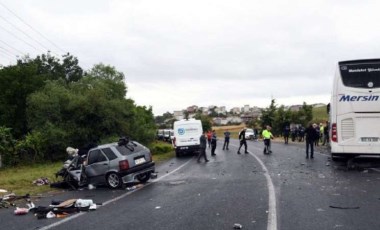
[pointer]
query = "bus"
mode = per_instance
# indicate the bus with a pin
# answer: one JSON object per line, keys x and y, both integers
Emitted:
{"x": 354, "y": 109}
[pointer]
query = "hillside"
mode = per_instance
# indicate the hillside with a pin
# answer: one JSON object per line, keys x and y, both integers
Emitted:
{"x": 320, "y": 114}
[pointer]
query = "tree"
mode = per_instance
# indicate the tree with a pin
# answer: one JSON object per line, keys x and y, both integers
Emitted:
{"x": 205, "y": 120}
{"x": 92, "y": 109}
{"x": 19, "y": 81}
{"x": 268, "y": 114}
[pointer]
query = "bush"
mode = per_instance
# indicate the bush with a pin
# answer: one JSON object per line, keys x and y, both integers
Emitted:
{"x": 161, "y": 148}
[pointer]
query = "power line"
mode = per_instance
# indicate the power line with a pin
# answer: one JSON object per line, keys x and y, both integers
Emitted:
{"x": 32, "y": 28}
{"x": 7, "y": 51}
{"x": 14, "y": 35}
{"x": 24, "y": 33}
{"x": 12, "y": 47}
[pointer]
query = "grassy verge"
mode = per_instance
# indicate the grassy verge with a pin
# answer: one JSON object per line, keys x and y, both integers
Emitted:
{"x": 162, "y": 151}
{"x": 20, "y": 179}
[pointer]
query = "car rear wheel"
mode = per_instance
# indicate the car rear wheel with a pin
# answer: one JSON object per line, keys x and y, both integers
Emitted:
{"x": 113, "y": 180}
{"x": 143, "y": 177}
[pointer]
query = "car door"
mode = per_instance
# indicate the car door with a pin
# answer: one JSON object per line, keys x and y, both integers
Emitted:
{"x": 97, "y": 165}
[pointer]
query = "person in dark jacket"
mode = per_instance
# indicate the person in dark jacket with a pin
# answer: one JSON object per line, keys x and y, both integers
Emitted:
{"x": 202, "y": 147}
{"x": 226, "y": 139}
{"x": 213, "y": 143}
{"x": 243, "y": 141}
{"x": 286, "y": 134}
{"x": 311, "y": 136}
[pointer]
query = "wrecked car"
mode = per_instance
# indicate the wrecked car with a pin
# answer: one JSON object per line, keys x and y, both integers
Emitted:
{"x": 113, "y": 164}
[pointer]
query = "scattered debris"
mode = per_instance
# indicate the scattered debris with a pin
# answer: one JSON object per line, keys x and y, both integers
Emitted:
{"x": 131, "y": 188}
{"x": 331, "y": 206}
{"x": 320, "y": 210}
{"x": 327, "y": 163}
{"x": 62, "y": 209}
{"x": 238, "y": 226}
{"x": 3, "y": 191}
{"x": 321, "y": 176}
{"x": 365, "y": 171}
{"x": 21, "y": 211}
{"x": 177, "y": 182}
{"x": 158, "y": 207}
{"x": 91, "y": 187}
{"x": 153, "y": 176}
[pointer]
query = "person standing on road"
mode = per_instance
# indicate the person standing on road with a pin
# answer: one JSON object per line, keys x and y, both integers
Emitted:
{"x": 226, "y": 139}
{"x": 202, "y": 147}
{"x": 311, "y": 137}
{"x": 243, "y": 141}
{"x": 209, "y": 135}
{"x": 326, "y": 134}
{"x": 267, "y": 136}
{"x": 316, "y": 127}
{"x": 286, "y": 134}
{"x": 213, "y": 143}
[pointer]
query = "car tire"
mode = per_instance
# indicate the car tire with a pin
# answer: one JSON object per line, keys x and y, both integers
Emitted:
{"x": 113, "y": 180}
{"x": 143, "y": 178}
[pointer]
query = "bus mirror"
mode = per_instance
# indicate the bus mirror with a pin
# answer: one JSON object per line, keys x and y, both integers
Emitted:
{"x": 328, "y": 108}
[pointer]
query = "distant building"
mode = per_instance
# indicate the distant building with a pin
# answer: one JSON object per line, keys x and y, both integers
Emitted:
{"x": 178, "y": 115}
{"x": 235, "y": 110}
{"x": 245, "y": 109}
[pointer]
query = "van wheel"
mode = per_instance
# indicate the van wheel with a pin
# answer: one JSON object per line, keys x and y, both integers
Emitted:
{"x": 143, "y": 177}
{"x": 113, "y": 180}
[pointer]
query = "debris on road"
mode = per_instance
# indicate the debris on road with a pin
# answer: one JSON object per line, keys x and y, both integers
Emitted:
{"x": 153, "y": 176}
{"x": 338, "y": 207}
{"x": 41, "y": 181}
{"x": 238, "y": 226}
{"x": 62, "y": 209}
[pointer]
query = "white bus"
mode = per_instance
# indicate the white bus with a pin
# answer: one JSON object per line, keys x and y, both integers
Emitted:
{"x": 355, "y": 109}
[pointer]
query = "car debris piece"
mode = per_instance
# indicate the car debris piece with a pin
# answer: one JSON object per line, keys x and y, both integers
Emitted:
{"x": 153, "y": 175}
{"x": 331, "y": 206}
{"x": 21, "y": 211}
{"x": 238, "y": 226}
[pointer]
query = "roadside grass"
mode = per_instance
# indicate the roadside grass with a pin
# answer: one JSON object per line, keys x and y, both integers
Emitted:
{"x": 162, "y": 151}
{"x": 233, "y": 129}
{"x": 20, "y": 179}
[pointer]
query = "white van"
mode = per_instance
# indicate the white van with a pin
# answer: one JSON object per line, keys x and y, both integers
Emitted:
{"x": 186, "y": 136}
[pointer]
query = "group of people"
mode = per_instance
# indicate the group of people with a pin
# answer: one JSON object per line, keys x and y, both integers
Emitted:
{"x": 299, "y": 132}
{"x": 211, "y": 138}
{"x": 313, "y": 134}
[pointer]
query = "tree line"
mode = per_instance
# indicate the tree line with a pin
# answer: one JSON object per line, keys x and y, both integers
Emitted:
{"x": 47, "y": 104}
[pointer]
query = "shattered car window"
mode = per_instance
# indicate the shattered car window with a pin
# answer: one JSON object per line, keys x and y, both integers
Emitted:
{"x": 96, "y": 156}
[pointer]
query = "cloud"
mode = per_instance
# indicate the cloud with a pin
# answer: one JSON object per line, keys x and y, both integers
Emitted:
{"x": 179, "y": 53}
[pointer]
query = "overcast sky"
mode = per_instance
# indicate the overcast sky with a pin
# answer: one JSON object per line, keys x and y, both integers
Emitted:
{"x": 176, "y": 53}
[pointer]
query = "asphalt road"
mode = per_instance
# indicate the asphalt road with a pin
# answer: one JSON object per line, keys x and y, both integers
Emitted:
{"x": 282, "y": 190}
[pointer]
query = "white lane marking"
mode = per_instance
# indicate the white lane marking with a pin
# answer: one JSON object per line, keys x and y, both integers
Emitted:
{"x": 114, "y": 199}
{"x": 272, "y": 215}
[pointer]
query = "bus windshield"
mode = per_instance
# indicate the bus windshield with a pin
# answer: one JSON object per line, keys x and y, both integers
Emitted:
{"x": 361, "y": 75}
